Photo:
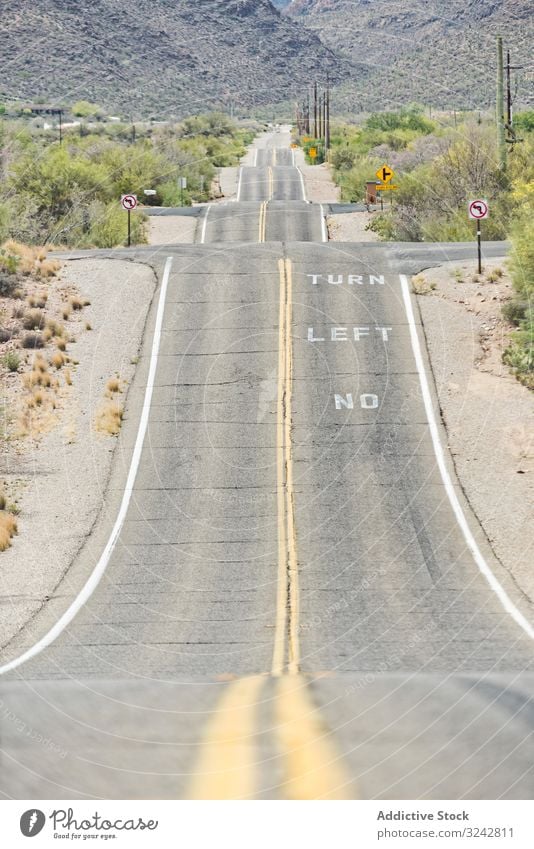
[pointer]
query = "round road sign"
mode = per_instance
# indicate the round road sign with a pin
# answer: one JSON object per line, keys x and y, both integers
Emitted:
{"x": 129, "y": 202}
{"x": 478, "y": 209}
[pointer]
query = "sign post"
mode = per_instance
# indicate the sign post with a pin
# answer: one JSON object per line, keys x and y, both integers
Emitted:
{"x": 129, "y": 202}
{"x": 183, "y": 185}
{"x": 477, "y": 211}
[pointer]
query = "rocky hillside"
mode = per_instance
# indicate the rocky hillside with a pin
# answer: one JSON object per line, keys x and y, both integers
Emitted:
{"x": 157, "y": 57}
{"x": 170, "y": 57}
{"x": 439, "y": 54}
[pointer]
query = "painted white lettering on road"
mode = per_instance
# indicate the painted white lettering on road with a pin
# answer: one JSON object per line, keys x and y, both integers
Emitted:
{"x": 385, "y": 332}
{"x": 350, "y": 279}
{"x": 342, "y": 401}
{"x": 368, "y": 401}
{"x": 341, "y": 334}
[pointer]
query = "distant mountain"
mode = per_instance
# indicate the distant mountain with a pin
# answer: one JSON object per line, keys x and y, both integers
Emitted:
{"x": 441, "y": 54}
{"x": 157, "y": 56}
{"x": 171, "y": 57}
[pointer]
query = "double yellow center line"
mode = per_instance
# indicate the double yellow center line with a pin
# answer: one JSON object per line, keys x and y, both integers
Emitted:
{"x": 262, "y": 225}
{"x": 287, "y": 608}
{"x": 309, "y": 765}
{"x": 262, "y": 222}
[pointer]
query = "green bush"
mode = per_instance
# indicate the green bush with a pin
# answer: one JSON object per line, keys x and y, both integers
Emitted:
{"x": 109, "y": 226}
{"x": 12, "y": 361}
{"x": 70, "y": 195}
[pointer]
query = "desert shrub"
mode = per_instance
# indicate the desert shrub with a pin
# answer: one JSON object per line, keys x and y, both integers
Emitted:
{"x": 9, "y": 262}
{"x": 12, "y": 361}
{"x": 5, "y": 335}
{"x": 32, "y": 340}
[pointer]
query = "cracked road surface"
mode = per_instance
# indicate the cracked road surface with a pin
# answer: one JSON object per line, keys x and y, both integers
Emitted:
{"x": 291, "y": 607}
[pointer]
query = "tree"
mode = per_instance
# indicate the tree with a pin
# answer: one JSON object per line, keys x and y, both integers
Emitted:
{"x": 84, "y": 109}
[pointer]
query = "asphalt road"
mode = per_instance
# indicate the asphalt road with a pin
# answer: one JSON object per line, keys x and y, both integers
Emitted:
{"x": 292, "y": 608}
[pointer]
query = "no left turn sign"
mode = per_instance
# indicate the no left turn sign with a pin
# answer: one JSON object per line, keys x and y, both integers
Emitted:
{"x": 478, "y": 209}
{"x": 129, "y": 202}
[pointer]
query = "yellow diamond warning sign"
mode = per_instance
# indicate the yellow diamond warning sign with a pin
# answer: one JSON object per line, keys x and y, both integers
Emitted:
{"x": 385, "y": 173}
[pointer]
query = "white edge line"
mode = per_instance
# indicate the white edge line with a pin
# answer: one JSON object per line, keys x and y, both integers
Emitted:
{"x": 293, "y": 156}
{"x": 485, "y": 570}
{"x": 204, "y": 225}
{"x": 323, "y": 224}
{"x": 255, "y": 158}
{"x": 303, "y": 185}
{"x": 239, "y": 184}
{"x": 95, "y": 577}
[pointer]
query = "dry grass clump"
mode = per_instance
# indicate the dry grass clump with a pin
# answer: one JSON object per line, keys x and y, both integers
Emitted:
{"x": 34, "y": 320}
{"x": 32, "y": 261}
{"x": 55, "y": 327}
{"x": 422, "y": 286}
{"x": 61, "y": 344}
{"x": 109, "y": 418}
{"x": 66, "y": 313}
{"x": 113, "y": 386}
{"x": 76, "y": 303}
{"x": 8, "y": 528}
{"x": 58, "y": 360}
{"x": 68, "y": 377}
{"x": 37, "y": 300}
{"x": 36, "y": 378}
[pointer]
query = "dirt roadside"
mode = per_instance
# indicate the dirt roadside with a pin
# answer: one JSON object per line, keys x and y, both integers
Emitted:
{"x": 488, "y": 414}
{"x": 57, "y": 473}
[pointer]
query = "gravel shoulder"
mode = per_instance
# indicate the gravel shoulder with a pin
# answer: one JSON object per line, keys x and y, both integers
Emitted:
{"x": 60, "y": 477}
{"x": 488, "y": 414}
{"x": 171, "y": 229}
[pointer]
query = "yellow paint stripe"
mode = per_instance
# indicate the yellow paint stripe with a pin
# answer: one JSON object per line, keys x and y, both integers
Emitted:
{"x": 292, "y": 562}
{"x": 312, "y": 765}
{"x": 262, "y": 221}
{"x": 281, "y": 596}
{"x": 274, "y": 156}
{"x": 225, "y": 768}
{"x": 287, "y": 600}
{"x": 271, "y": 184}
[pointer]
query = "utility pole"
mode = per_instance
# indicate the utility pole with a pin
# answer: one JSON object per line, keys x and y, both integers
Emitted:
{"x": 315, "y": 124}
{"x": 510, "y": 132}
{"x": 501, "y": 143}
{"x": 327, "y": 116}
{"x": 60, "y": 111}
{"x": 508, "y": 92}
{"x": 308, "y": 128}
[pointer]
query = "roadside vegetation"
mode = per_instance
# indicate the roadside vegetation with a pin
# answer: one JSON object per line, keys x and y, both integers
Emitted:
{"x": 439, "y": 165}
{"x": 69, "y": 194}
